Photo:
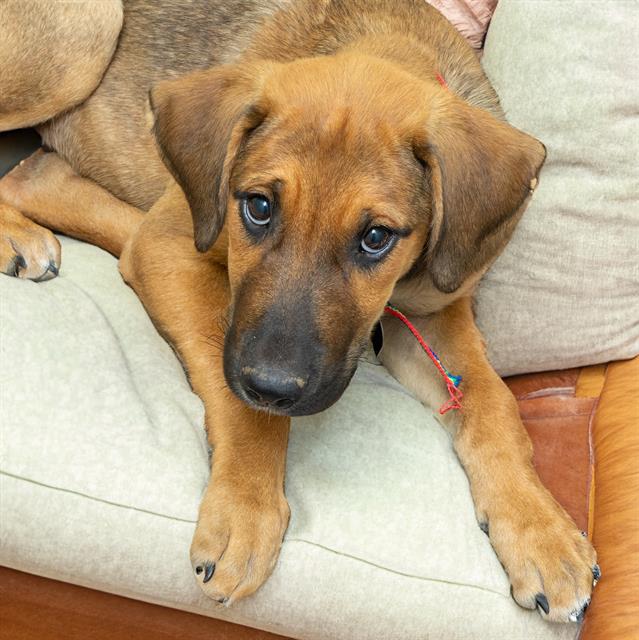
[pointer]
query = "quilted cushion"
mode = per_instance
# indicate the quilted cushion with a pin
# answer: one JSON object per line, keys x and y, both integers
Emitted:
{"x": 103, "y": 461}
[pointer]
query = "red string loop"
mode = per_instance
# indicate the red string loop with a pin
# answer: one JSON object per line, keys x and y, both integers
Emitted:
{"x": 452, "y": 382}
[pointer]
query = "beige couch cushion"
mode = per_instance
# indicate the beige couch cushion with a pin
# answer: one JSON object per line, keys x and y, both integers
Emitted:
{"x": 104, "y": 459}
{"x": 566, "y": 290}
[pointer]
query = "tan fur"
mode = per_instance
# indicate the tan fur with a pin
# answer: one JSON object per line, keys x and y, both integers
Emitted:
{"x": 334, "y": 112}
{"x": 52, "y": 56}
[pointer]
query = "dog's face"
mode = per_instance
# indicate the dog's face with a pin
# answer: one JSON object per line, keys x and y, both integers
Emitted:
{"x": 336, "y": 177}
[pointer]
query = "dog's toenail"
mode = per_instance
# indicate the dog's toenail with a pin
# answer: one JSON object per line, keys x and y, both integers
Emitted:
{"x": 209, "y": 570}
{"x": 223, "y": 600}
{"x": 542, "y": 601}
{"x": 484, "y": 527}
{"x": 578, "y": 616}
{"x": 199, "y": 569}
{"x": 584, "y": 534}
{"x": 596, "y": 574}
{"x": 52, "y": 268}
{"x": 18, "y": 264}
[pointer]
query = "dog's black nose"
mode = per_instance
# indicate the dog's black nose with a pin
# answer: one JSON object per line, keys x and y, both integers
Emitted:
{"x": 272, "y": 387}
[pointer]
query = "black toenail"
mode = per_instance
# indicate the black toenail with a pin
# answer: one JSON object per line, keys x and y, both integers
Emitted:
{"x": 484, "y": 527}
{"x": 596, "y": 573}
{"x": 542, "y": 601}
{"x": 17, "y": 264}
{"x": 209, "y": 570}
{"x": 223, "y": 600}
{"x": 584, "y": 534}
{"x": 199, "y": 569}
{"x": 52, "y": 268}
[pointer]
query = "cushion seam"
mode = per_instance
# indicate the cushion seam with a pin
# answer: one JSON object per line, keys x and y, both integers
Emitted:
{"x": 95, "y": 499}
{"x": 397, "y": 572}
{"x": 286, "y": 540}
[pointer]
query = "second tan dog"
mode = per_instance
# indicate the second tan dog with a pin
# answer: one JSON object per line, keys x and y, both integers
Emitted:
{"x": 321, "y": 169}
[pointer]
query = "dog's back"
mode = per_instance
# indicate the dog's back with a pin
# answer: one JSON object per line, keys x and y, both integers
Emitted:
{"x": 108, "y": 139}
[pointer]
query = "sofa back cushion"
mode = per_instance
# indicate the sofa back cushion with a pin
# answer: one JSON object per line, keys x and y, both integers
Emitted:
{"x": 565, "y": 292}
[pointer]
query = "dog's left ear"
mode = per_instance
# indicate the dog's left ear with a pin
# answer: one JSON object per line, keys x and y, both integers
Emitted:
{"x": 481, "y": 172}
{"x": 200, "y": 123}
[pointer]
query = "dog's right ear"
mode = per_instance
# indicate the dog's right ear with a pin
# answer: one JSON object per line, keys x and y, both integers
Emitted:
{"x": 201, "y": 121}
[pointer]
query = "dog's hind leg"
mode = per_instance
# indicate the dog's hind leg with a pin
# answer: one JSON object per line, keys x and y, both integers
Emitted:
{"x": 52, "y": 55}
{"x": 44, "y": 190}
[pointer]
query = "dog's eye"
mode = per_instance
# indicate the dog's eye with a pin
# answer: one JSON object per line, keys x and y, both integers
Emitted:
{"x": 376, "y": 240}
{"x": 257, "y": 210}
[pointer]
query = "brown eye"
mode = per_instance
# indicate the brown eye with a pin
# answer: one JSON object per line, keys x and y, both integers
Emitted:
{"x": 257, "y": 210}
{"x": 376, "y": 240}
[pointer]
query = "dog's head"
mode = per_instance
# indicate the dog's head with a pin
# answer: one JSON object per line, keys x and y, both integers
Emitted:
{"x": 336, "y": 177}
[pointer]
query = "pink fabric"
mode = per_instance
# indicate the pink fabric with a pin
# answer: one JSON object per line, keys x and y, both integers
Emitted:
{"x": 470, "y": 17}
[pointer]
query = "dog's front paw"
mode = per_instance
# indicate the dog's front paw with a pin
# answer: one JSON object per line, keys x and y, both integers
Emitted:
{"x": 237, "y": 541}
{"x": 27, "y": 250}
{"x": 551, "y": 565}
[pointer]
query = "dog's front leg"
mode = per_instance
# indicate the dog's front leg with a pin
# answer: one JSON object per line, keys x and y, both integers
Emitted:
{"x": 549, "y": 563}
{"x": 244, "y": 514}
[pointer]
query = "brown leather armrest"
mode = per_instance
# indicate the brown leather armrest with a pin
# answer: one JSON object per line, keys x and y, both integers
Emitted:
{"x": 614, "y": 612}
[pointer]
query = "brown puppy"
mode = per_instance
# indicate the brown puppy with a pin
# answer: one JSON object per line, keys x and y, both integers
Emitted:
{"x": 322, "y": 171}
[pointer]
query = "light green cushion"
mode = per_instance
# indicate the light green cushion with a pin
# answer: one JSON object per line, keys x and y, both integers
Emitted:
{"x": 104, "y": 460}
{"x": 565, "y": 292}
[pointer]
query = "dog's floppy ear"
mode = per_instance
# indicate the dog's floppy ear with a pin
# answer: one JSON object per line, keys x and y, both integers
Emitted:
{"x": 481, "y": 172}
{"x": 200, "y": 122}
